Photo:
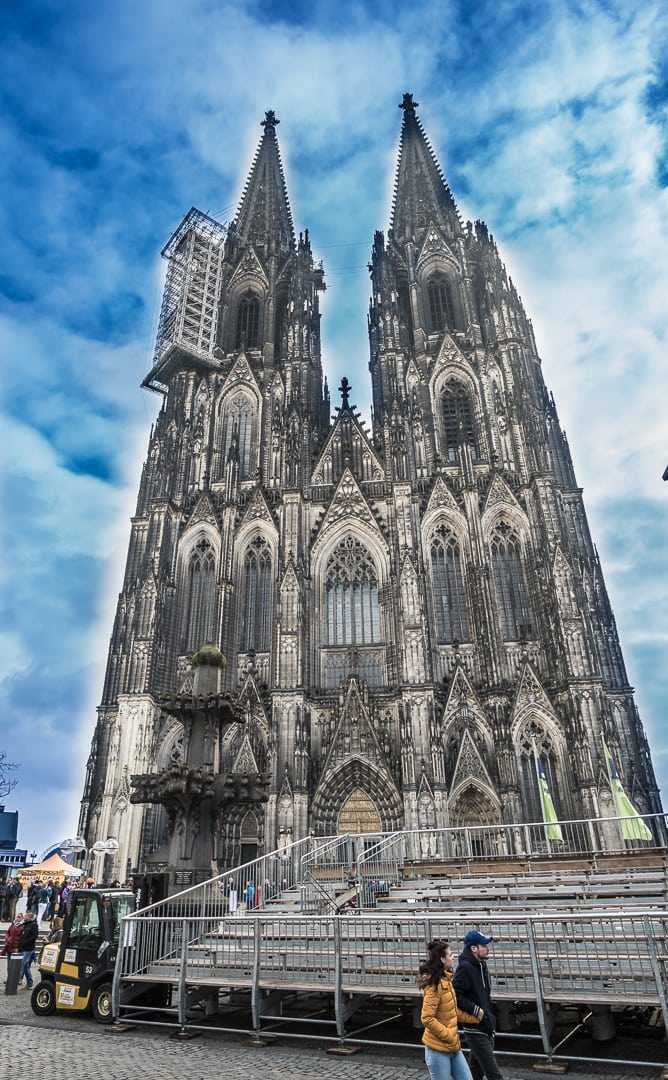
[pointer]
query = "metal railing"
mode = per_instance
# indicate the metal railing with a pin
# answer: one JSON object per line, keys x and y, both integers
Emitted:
{"x": 610, "y": 958}
{"x": 335, "y": 861}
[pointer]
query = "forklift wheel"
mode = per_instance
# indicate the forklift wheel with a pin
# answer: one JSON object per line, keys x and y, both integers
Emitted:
{"x": 43, "y": 999}
{"x": 102, "y": 1004}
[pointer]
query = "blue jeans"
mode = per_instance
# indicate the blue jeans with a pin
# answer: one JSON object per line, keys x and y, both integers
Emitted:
{"x": 444, "y": 1066}
{"x": 483, "y": 1062}
{"x": 25, "y": 966}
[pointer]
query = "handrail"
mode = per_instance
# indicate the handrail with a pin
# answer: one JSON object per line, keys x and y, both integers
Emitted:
{"x": 285, "y": 855}
{"x": 320, "y": 889}
{"x": 273, "y": 873}
{"x": 547, "y": 957}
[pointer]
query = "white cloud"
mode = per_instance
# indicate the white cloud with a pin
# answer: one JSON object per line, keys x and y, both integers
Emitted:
{"x": 537, "y": 115}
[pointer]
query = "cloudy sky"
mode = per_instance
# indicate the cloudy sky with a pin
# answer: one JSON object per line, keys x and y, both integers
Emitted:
{"x": 551, "y": 123}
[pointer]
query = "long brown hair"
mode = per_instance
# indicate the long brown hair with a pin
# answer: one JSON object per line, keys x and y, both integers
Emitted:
{"x": 431, "y": 969}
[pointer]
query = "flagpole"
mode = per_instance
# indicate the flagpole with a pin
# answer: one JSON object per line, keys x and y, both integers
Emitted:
{"x": 631, "y": 824}
{"x": 537, "y": 780}
{"x": 540, "y": 794}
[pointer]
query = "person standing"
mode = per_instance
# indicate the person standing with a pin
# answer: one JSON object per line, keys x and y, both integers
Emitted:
{"x": 12, "y": 938}
{"x": 440, "y": 1015}
{"x": 14, "y": 890}
{"x": 33, "y": 896}
{"x": 473, "y": 987}
{"x": 44, "y": 899}
{"x": 27, "y": 943}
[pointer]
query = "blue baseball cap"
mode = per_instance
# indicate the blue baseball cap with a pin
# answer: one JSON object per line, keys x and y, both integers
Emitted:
{"x": 474, "y": 937}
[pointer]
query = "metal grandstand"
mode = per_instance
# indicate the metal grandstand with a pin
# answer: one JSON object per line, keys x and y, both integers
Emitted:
{"x": 323, "y": 938}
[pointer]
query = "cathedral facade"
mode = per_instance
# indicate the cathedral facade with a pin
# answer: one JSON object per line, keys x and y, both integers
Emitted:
{"x": 406, "y": 610}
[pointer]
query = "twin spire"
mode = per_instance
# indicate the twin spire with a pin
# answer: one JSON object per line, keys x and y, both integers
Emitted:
{"x": 421, "y": 195}
{"x": 264, "y": 216}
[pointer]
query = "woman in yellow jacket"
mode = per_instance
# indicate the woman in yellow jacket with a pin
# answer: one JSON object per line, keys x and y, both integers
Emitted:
{"x": 440, "y": 1015}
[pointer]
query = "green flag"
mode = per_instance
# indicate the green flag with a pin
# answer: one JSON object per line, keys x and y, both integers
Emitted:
{"x": 552, "y": 826}
{"x": 632, "y": 825}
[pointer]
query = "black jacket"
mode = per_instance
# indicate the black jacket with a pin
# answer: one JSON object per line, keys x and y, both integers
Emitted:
{"x": 29, "y": 936}
{"x": 473, "y": 988}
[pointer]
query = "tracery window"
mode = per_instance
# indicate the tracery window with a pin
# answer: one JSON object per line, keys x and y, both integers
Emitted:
{"x": 535, "y": 736}
{"x": 201, "y": 595}
{"x": 441, "y": 305}
{"x": 448, "y": 586}
{"x": 351, "y": 585}
{"x": 510, "y": 585}
{"x": 248, "y": 321}
{"x": 239, "y": 432}
{"x": 257, "y": 597}
{"x": 458, "y": 424}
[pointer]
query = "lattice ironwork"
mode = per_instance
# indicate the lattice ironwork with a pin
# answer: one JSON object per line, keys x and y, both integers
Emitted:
{"x": 189, "y": 314}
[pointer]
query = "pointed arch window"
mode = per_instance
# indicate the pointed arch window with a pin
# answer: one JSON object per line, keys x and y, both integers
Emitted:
{"x": 281, "y": 318}
{"x": 458, "y": 423}
{"x": 510, "y": 584}
{"x": 441, "y": 305}
{"x": 239, "y": 434}
{"x": 534, "y": 734}
{"x": 448, "y": 586}
{"x": 248, "y": 321}
{"x": 351, "y": 585}
{"x": 201, "y": 595}
{"x": 257, "y": 597}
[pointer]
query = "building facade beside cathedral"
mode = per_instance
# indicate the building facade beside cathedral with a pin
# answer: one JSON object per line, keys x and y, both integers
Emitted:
{"x": 404, "y": 611}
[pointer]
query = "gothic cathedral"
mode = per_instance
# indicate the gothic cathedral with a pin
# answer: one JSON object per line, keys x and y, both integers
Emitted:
{"x": 404, "y": 611}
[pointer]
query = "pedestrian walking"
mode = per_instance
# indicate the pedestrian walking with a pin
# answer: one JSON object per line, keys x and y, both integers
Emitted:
{"x": 473, "y": 988}
{"x": 27, "y": 942}
{"x": 441, "y": 1014}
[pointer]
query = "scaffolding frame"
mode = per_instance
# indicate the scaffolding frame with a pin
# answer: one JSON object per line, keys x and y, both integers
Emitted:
{"x": 190, "y": 303}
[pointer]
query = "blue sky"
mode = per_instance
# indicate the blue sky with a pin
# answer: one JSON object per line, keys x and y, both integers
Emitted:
{"x": 551, "y": 123}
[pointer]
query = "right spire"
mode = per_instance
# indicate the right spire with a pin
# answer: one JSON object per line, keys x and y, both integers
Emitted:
{"x": 421, "y": 194}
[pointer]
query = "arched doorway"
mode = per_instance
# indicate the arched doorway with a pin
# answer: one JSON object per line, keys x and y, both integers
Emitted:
{"x": 249, "y": 838}
{"x": 473, "y": 809}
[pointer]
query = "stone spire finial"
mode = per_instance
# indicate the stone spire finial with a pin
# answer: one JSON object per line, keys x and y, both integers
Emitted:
{"x": 270, "y": 120}
{"x": 407, "y": 103}
{"x": 345, "y": 389}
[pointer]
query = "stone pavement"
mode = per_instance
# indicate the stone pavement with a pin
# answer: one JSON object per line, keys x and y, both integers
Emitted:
{"x": 38, "y": 1048}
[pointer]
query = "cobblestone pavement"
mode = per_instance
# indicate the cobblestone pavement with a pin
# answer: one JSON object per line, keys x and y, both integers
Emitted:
{"x": 36, "y": 1048}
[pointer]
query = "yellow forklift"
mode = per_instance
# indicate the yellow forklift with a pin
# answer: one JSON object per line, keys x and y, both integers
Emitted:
{"x": 77, "y": 971}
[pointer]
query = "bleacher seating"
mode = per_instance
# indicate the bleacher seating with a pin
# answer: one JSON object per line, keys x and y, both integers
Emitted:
{"x": 639, "y": 881}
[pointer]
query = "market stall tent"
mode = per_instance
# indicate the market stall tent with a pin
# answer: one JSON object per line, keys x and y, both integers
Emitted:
{"x": 54, "y": 868}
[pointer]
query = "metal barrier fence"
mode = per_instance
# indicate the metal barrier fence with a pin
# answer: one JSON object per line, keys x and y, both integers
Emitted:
{"x": 318, "y": 867}
{"x": 377, "y": 860}
{"x": 607, "y": 958}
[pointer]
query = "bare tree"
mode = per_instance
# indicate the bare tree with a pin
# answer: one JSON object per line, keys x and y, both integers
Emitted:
{"x": 7, "y": 781}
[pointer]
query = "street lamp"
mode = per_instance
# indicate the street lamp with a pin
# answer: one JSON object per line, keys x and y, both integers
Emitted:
{"x": 101, "y": 847}
{"x": 73, "y": 845}
{"x": 104, "y": 847}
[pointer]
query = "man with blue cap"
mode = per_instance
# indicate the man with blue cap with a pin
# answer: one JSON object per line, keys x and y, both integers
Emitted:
{"x": 473, "y": 988}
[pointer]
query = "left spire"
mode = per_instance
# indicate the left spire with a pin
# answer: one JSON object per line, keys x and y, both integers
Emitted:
{"x": 264, "y": 219}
